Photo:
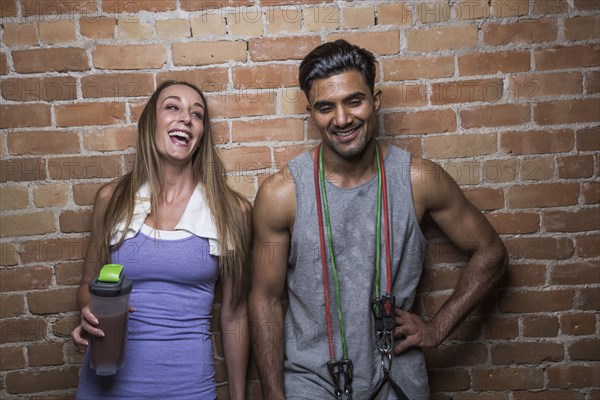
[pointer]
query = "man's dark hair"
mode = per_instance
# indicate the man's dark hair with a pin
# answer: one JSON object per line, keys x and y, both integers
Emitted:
{"x": 334, "y": 58}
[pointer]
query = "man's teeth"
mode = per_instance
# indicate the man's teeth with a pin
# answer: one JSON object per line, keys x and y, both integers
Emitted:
{"x": 180, "y": 135}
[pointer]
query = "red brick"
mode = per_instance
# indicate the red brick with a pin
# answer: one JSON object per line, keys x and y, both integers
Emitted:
{"x": 592, "y": 82}
{"x": 582, "y": 28}
{"x": 3, "y": 64}
{"x": 404, "y": 95}
{"x": 443, "y": 38}
{"x": 84, "y": 193}
{"x": 456, "y": 356}
{"x": 539, "y": 85}
{"x": 497, "y": 328}
{"x": 457, "y": 146}
{"x": 420, "y": 122}
{"x": 284, "y": 154}
{"x": 537, "y": 142}
{"x": 540, "y": 248}
{"x": 195, "y": 5}
{"x": 244, "y": 159}
{"x": 578, "y": 324}
{"x": 52, "y": 250}
{"x": 586, "y": 5}
{"x": 508, "y": 379}
{"x": 34, "y": 223}
{"x": 483, "y": 90}
{"x": 22, "y": 116}
{"x": 567, "y": 112}
{"x": 581, "y": 220}
{"x": 12, "y": 358}
{"x": 12, "y": 305}
{"x": 515, "y": 223}
{"x": 531, "y": 31}
{"x": 449, "y": 380}
{"x": 67, "y": 168}
{"x": 580, "y": 273}
{"x": 573, "y": 376}
{"x": 485, "y": 198}
{"x": 117, "y": 86}
{"x": 42, "y": 142}
{"x": 129, "y": 56}
{"x": 379, "y": 43}
{"x": 97, "y": 27}
{"x": 203, "y": 53}
{"x": 285, "y": 48}
{"x": 75, "y": 221}
{"x": 588, "y": 299}
{"x": 520, "y": 275}
{"x": 68, "y": 273}
{"x": 575, "y": 167}
{"x": 498, "y": 171}
{"x": 278, "y": 129}
{"x": 588, "y": 246}
{"x": 526, "y": 353}
{"x": 25, "y": 278}
{"x": 536, "y": 301}
{"x": 479, "y": 63}
{"x": 546, "y": 7}
{"x": 43, "y": 7}
{"x": 8, "y": 8}
{"x": 82, "y": 114}
{"x": 22, "y": 330}
{"x": 540, "y": 326}
{"x": 495, "y": 115}
{"x": 266, "y": 76}
{"x": 588, "y": 139}
{"x": 208, "y": 80}
{"x": 585, "y": 350}
{"x": 110, "y": 139}
{"x": 133, "y": 7}
{"x": 52, "y": 301}
{"x": 509, "y": 8}
{"x": 242, "y": 104}
{"x": 32, "y": 381}
{"x": 39, "y": 89}
{"x": 45, "y": 354}
{"x": 439, "y": 279}
{"x": 537, "y": 169}
{"x": 50, "y": 60}
{"x": 22, "y": 169}
{"x": 542, "y": 195}
{"x": 548, "y": 394}
{"x": 567, "y": 57}
{"x": 407, "y": 68}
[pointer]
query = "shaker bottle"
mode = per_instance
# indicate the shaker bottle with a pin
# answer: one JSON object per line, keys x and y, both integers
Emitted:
{"x": 109, "y": 302}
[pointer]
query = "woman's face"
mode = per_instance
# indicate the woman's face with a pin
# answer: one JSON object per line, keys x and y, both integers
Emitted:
{"x": 179, "y": 123}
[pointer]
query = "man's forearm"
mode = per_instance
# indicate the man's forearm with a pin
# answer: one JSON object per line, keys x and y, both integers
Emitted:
{"x": 268, "y": 347}
{"x": 483, "y": 270}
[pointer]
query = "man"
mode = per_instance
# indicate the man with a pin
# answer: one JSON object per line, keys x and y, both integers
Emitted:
{"x": 328, "y": 223}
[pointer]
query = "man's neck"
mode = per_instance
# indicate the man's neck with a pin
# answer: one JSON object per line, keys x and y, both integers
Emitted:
{"x": 348, "y": 173}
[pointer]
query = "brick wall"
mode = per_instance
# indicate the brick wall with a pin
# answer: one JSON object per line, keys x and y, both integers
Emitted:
{"x": 504, "y": 94}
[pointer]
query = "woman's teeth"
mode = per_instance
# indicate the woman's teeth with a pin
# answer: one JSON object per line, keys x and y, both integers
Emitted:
{"x": 180, "y": 135}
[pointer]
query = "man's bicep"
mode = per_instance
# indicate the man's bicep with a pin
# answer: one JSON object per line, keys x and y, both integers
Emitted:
{"x": 271, "y": 244}
{"x": 458, "y": 218}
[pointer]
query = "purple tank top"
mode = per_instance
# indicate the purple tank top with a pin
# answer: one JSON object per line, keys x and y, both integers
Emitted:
{"x": 169, "y": 342}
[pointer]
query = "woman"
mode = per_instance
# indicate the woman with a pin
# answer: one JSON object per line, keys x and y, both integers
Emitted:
{"x": 176, "y": 227}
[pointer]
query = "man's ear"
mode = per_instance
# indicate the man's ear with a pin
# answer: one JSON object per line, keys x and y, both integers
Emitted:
{"x": 377, "y": 98}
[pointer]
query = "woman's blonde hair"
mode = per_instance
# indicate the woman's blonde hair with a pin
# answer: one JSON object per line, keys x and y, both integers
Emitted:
{"x": 224, "y": 203}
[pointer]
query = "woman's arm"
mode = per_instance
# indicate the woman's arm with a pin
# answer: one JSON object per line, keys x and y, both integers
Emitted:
{"x": 91, "y": 267}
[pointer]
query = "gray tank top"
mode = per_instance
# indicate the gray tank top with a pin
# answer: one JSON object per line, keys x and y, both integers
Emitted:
{"x": 353, "y": 213}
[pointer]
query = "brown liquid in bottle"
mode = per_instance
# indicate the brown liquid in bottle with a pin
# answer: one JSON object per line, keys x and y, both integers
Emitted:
{"x": 107, "y": 352}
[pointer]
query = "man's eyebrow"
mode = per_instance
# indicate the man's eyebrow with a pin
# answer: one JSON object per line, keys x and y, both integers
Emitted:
{"x": 351, "y": 96}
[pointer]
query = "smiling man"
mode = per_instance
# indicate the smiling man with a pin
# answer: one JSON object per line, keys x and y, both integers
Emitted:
{"x": 343, "y": 237}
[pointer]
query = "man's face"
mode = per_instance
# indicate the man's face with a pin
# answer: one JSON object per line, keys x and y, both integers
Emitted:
{"x": 345, "y": 112}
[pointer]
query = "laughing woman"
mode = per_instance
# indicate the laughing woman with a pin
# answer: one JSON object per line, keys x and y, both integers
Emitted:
{"x": 177, "y": 228}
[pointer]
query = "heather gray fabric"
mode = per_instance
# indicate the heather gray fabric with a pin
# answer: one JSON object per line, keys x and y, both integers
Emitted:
{"x": 353, "y": 215}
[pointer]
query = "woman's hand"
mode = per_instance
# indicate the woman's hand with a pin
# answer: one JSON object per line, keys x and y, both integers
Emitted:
{"x": 88, "y": 326}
